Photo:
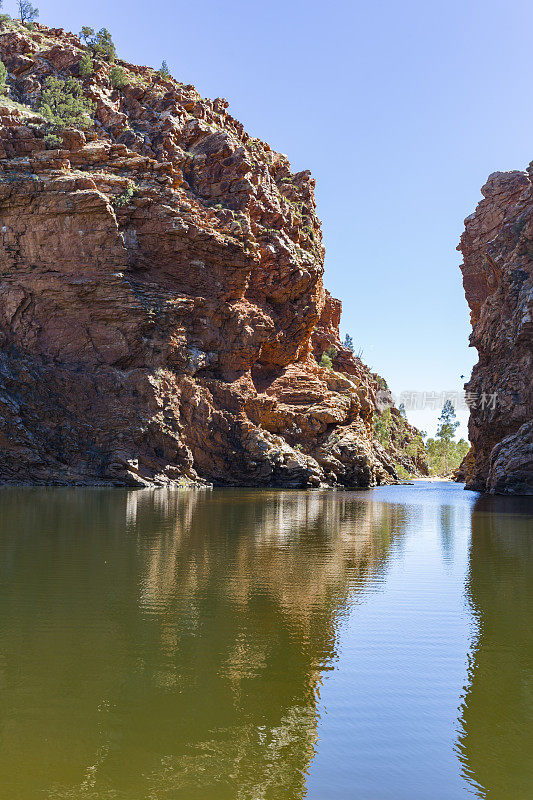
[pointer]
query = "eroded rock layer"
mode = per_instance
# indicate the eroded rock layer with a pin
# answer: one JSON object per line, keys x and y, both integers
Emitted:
{"x": 497, "y": 247}
{"x": 162, "y": 304}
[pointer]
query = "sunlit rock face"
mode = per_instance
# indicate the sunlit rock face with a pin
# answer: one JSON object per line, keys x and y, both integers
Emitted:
{"x": 497, "y": 247}
{"x": 162, "y": 304}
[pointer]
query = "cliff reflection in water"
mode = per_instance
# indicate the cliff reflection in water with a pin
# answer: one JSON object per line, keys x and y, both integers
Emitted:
{"x": 177, "y": 638}
{"x": 246, "y": 601}
{"x": 495, "y": 742}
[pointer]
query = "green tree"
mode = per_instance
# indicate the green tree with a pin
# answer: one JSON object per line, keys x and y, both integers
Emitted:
{"x": 326, "y": 361}
{"x": 100, "y": 43}
{"x": 348, "y": 342}
{"x": 63, "y": 104}
{"x": 382, "y": 427}
{"x": 328, "y": 357}
{"x": 435, "y": 457}
{"x": 462, "y": 449}
{"x": 103, "y": 45}
{"x": 118, "y": 77}
{"x": 446, "y": 430}
{"x": 28, "y": 13}
{"x": 86, "y": 34}
{"x": 415, "y": 448}
{"x": 163, "y": 70}
{"x": 443, "y": 458}
{"x": 3, "y": 78}
{"x": 381, "y": 382}
{"x": 85, "y": 67}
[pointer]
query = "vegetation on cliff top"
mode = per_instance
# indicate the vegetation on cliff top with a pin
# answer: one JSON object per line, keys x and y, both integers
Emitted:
{"x": 27, "y": 13}
{"x": 100, "y": 43}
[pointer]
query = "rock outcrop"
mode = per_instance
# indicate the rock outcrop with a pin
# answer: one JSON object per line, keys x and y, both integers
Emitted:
{"x": 162, "y": 305}
{"x": 497, "y": 247}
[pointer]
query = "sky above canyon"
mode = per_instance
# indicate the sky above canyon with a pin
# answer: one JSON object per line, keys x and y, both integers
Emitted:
{"x": 400, "y": 111}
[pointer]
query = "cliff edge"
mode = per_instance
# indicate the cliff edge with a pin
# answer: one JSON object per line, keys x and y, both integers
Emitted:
{"x": 162, "y": 305}
{"x": 497, "y": 247}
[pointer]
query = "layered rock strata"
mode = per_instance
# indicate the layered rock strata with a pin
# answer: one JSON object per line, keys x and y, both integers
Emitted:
{"x": 497, "y": 248}
{"x": 162, "y": 305}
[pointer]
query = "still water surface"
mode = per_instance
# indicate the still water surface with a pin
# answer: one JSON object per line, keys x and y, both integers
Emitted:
{"x": 258, "y": 645}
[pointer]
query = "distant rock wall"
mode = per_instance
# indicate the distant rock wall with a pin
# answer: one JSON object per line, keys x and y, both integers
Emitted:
{"x": 497, "y": 247}
{"x": 162, "y": 305}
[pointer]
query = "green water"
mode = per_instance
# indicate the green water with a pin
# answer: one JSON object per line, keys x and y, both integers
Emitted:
{"x": 256, "y": 645}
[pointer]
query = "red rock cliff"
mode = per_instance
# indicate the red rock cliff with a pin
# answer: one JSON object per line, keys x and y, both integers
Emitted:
{"x": 162, "y": 305}
{"x": 497, "y": 247}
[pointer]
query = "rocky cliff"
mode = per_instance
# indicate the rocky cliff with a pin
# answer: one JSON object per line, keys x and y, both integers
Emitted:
{"x": 497, "y": 247}
{"x": 162, "y": 305}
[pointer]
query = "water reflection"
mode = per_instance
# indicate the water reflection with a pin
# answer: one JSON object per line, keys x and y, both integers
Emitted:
{"x": 171, "y": 644}
{"x": 447, "y": 525}
{"x": 495, "y": 743}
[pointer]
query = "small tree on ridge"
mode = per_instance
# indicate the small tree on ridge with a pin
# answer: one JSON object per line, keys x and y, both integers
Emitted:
{"x": 100, "y": 43}
{"x": 27, "y": 12}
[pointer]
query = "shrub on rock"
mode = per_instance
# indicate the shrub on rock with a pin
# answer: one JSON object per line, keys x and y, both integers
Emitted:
{"x": 85, "y": 67}
{"x": 3, "y": 78}
{"x": 64, "y": 105}
{"x": 118, "y": 77}
{"x": 100, "y": 43}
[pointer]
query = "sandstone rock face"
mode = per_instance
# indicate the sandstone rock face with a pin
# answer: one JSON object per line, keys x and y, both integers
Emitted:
{"x": 511, "y": 463}
{"x": 161, "y": 297}
{"x": 497, "y": 247}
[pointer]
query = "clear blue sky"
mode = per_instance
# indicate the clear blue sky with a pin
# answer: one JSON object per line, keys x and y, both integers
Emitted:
{"x": 399, "y": 109}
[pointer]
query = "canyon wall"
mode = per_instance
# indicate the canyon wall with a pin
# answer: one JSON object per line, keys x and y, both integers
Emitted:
{"x": 497, "y": 247}
{"x": 162, "y": 305}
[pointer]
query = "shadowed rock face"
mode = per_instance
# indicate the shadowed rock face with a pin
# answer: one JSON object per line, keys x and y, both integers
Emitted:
{"x": 497, "y": 247}
{"x": 172, "y": 333}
